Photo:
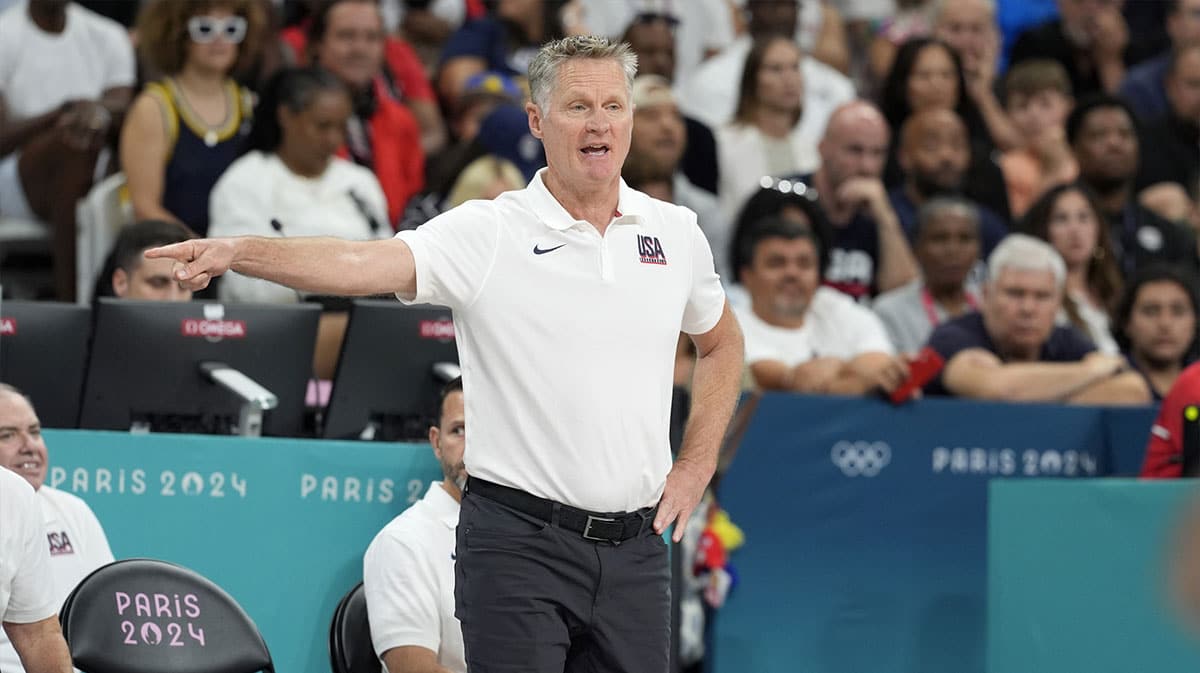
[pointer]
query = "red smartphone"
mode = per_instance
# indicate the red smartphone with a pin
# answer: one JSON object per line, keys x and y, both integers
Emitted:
{"x": 921, "y": 370}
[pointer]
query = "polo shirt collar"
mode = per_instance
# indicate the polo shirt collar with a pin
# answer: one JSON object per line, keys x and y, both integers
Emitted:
{"x": 443, "y": 507}
{"x": 631, "y": 205}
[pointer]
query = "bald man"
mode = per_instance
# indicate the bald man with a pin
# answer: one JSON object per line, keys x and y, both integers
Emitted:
{"x": 935, "y": 155}
{"x": 869, "y": 253}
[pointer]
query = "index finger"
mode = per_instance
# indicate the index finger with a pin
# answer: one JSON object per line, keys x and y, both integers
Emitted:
{"x": 184, "y": 251}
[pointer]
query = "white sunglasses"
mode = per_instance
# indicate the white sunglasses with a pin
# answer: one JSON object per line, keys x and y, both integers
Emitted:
{"x": 205, "y": 29}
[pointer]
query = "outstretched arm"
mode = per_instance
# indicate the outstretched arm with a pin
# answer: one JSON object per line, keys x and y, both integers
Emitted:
{"x": 318, "y": 265}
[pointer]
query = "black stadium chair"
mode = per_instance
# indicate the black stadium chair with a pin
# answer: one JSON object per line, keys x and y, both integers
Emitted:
{"x": 148, "y": 616}
{"x": 350, "y": 648}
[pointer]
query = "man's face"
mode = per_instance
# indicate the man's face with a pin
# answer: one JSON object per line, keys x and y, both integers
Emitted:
{"x": 1019, "y": 309}
{"x": 1039, "y": 113}
{"x": 969, "y": 28}
{"x": 773, "y": 17}
{"x": 22, "y": 448}
{"x": 449, "y": 438}
{"x": 947, "y": 247}
{"x": 782, "y": 277}
{"x": 151, "y": 279}
{"x": 1183, "y": 86}
{"x": 935, "y": 153}
{"x": 659, "y": 138}
{"x": 855, "y": 146}
{"x": 654, "y": 44}
{"x": 352, "y": 47}
{"x": 1079, "y": 18}
{"x": 1184, "y": 25}
{"x": 1162, "y": 323}
{"x": 1106, "y": 148}
{"x": 587, "y": 122}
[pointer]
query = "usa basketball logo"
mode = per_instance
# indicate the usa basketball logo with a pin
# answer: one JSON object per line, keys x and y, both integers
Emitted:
{"x": 650, "y": 250}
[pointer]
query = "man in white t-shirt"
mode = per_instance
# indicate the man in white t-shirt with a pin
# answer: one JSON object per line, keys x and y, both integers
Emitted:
{"x": 568, "y": 299}
{"x": 801, "y": 336}
{"x": 408, "y": 571}
{"x": 27, "y": 607}
{"x": 66, "y": 79}
{"x": 70, "y": 533}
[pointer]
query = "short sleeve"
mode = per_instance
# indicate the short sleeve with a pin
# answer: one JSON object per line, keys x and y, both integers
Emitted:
{"x": 454, "y": 254}
{"x": 949, "y": 339}
{"x": 1073, "y": 345}
{"x": 120, "y": 69}
{"x": 706, "y": 297}
{"x": 32, "y": 597}
{"x": 402, "y": 596}
{"x": 868, "y": 332}
{"x": 98, "y": 551}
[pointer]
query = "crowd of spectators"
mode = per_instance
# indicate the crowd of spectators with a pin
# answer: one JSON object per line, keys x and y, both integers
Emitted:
{"x": 1012, "y": 185}
{"x": 853, "y": 168}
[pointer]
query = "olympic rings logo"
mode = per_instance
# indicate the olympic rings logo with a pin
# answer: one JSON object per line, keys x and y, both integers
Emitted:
{"x": 861, "y": 459}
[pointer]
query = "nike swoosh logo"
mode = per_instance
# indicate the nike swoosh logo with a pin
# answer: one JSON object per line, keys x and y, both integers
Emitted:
{"x": 542, "y": 251}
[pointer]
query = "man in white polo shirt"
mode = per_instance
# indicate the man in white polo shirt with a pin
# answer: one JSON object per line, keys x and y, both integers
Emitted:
{"x": 568, "y": 298}
{"x": 27, "y": 607}
{"x": 71, "y": 532}
{"x": 408, "y": 571}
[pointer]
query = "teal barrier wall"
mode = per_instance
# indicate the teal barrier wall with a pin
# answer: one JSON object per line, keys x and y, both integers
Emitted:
{"x": 280, "y": 524}
{"x": 1076, "y": 578}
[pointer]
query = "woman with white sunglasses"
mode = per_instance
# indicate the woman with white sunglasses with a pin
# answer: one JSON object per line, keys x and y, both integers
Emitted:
{"x": 184, "y": 130}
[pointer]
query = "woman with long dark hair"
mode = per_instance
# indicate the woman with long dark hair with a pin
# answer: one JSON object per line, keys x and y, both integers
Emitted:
{"x": 927, "y": 75}
{"x": 765, "y": 137}
{"x": 290, "y": 182}
{"x": 1068, "y": 218}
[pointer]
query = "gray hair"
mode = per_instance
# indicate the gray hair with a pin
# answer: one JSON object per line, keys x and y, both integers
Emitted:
{"x": 939, "y": 8}
{"x": 946, "y": 205}
{"x": 1026, "y": 253}
{"x": 543, "y": 70}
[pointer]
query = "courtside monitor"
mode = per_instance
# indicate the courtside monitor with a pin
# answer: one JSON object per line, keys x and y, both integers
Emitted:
{"x": 152, "y": 364}
{"x": 43, "y": 351}
{"x": 394, "y": 361}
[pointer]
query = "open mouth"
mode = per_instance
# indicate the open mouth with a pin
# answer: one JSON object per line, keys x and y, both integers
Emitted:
{"x": 595, "y": 150}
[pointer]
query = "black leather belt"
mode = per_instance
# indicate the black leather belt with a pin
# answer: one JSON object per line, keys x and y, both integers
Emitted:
{"x": 613, "y": 527}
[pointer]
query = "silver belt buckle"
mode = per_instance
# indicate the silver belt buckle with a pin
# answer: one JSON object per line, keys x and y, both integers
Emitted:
{"x": 587, "y": 529}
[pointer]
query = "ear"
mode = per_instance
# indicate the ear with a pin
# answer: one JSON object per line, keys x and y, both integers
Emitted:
{"x": 535, "y": 119}
{"x": 434, "y": 441}
{"x": 285, "y": 117}
{"x": 120, "y": 282}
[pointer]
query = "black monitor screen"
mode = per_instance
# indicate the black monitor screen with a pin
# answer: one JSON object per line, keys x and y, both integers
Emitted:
{"x": 43, "y": 348}
{"x": 145, "y": 370}
{"x": 386, "y": 376}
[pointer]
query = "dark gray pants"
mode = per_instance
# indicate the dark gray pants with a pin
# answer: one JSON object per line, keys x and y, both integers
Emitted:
{"x": 537, "y": 598}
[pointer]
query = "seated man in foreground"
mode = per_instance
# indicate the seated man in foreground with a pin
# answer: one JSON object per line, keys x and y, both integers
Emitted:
{"x": 801, "y": 336}
{"x": 1012, "y": 350}
{"x": 408, "y": 571}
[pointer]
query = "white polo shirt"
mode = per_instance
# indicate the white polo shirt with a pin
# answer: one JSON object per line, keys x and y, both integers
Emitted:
{"x": 26, "y": 587}
{"x": 408, "y": 580}
{"x": 567, "y": 338}
{"x": 77, "y": 546}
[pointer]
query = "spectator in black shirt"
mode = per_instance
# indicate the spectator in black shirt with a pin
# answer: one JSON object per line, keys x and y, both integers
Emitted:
{"x": 1090, "y": 39}
{"x": 1174, "y": 165}
{"x": 1103, "y": 136}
